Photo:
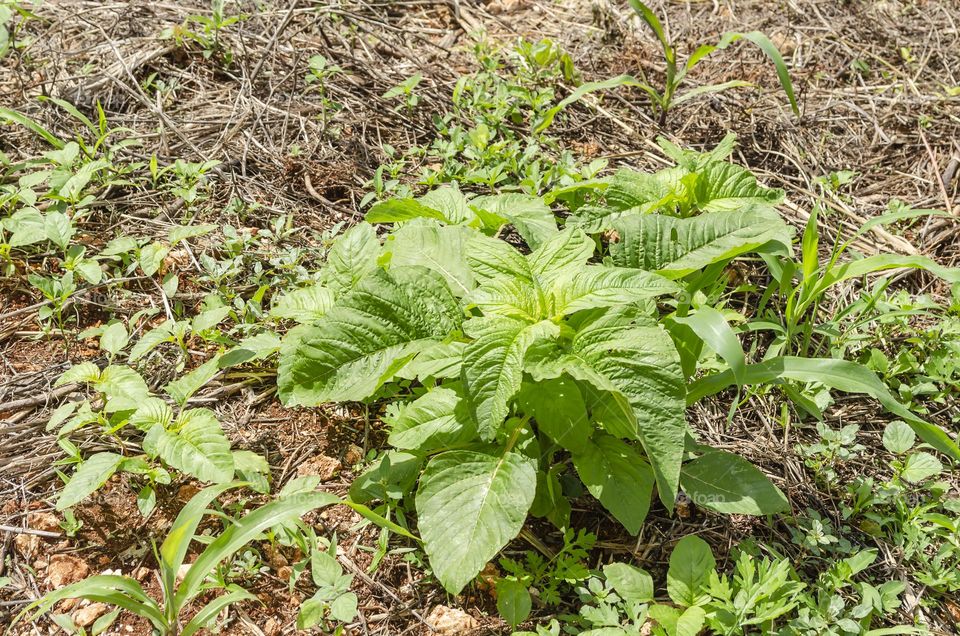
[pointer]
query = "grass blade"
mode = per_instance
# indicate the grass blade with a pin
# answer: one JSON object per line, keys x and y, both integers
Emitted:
{"x": 121, "y": 591}
{"x": 32, "y": 126}
{"x": 213, "y": 608}
{"x": 765, "y": 45}
{"x": 244, "y": 531}
{"x": 842, "y": 375}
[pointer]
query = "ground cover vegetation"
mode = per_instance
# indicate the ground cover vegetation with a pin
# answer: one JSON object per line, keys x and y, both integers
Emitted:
{"x": 539, "y": 370}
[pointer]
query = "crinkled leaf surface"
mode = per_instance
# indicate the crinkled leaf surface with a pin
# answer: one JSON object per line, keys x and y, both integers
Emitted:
{"x": 366, "y": 337}
{"x": 352, "y": 256}
{"x": 437, "y": 419}
{"x": 195, "y": 445}
{"x": 441, "y": 248}
{"x": 529, "y": 214}
{"x": 637, "y": 357}
{"x": 594, "y": 286}
{"x": 493, "y": 365}
{"x": 676, "y": 247}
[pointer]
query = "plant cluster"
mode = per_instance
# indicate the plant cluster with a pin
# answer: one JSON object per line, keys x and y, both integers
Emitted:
{"x": 507, "y": 369}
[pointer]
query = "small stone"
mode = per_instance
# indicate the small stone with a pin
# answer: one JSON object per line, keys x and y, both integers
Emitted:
{"x": 65, "y": 569}
{"x": 271, "y": 627}
{"x": 85, "y": 616}
{"x": 354, "y": 455}
{"x": 322, "y": 466}
{"x": 141, "y": 573}
{"x": 449, "y": 621}
{"x": 45, "y": 521}
{"x": 27, "y": 544}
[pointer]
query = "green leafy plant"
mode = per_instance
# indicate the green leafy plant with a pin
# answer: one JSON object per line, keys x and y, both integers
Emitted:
{"x": 545, "y": 576}
{"x": 191, "y": 441}
{"x": 509, "y": 369}
{"x": 178, "y": 595}
{"x": 210, "y": 32}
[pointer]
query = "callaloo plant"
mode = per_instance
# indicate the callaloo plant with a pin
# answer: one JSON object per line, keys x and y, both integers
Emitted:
{"x": 179, "y": 593}
{"x": 509, "y": 372}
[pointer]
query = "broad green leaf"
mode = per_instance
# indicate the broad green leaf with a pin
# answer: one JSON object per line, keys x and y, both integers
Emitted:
{"x": 114, "y": 338}
{"x": 186, "y": 385}
{"x": 920, "y": 466}
{"x": 438, "y": 419}
{"x": 676, "y": 247}
{"x": 493, "y": 259}
{"x": 513, "y": 298}
{"x": 150, "y": 340}
{"x": 513, "y": 601}
{"x": 676, "y": 623}
{"x": 842, "y": 375}
{"x": 691, "y": 564}
{"x": 550, "y": 501}
{"x": 389, "y": 478}
{"x": 726, "y": 187}
{"x": 85, "y": 372}
{"x": 493, "y": 366}
{"x": 729, "y": 484}
{"x": 151, "y": 257}
{"x": 304, "y": 305}
{"x": 565, "y": 253}
{"x": 123, "y": 387}
{"x": 26, "y": 227}
{"x": 58, "y": 229}
{"x": 195, "y": 445}
{"x": 633, "y": 584}
{"x": 240, "y": 533}
{"x": 152, "y": 412}
{"x": 366, "y": 337}
{"x": 898, "y": 437}
{"x": 593, "y": 287}
{"x": 559, "y": 410}
{"x": 352, "y": 256}
{"x": 255, "y": 347}
{"x": 89, "y": 477}
{"x": 532, "y": 218}
{"x": 469, "y": 506}
{"x": 343, "y": 609}
{"x": 618, "y": 477}
{"x": 635, "y": 192}
{"x": 450, "y": 202}
{"x": 184, "y": 232}
{"x": 440, "y": 360}
{"x": 440, "y": 248}
{"x": 639, "y": 360}
{"x": 398, "y": 210}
